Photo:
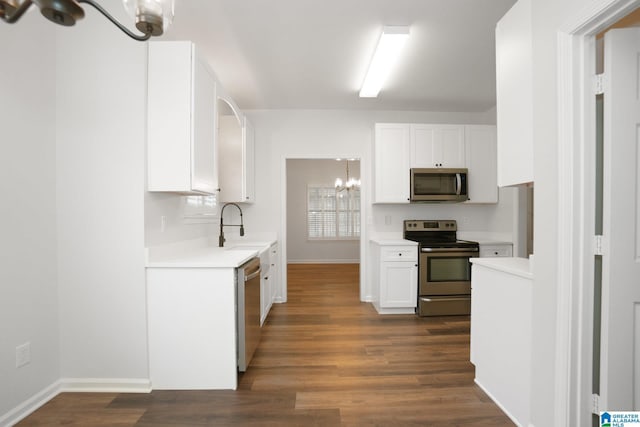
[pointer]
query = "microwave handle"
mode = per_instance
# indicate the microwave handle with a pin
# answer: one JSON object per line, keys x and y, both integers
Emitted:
{"x": 458, "y": 184}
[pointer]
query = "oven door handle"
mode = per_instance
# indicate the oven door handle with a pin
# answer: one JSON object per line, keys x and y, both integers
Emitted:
{"x": 450, "y": 250}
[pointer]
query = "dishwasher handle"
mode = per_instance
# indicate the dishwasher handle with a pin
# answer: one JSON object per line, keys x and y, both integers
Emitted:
{"x": 252, "y": 275}
{"x": 252, "y": 269}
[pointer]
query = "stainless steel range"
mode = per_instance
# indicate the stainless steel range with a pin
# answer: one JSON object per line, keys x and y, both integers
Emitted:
{"x": 444, "y": 270}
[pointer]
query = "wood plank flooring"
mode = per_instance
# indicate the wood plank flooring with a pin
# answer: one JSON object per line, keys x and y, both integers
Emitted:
{"x": 325, "y": 359}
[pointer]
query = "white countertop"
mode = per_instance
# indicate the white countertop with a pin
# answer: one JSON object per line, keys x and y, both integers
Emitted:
{"x": 232, "y": 255}
{"x": 393, "y": 242}
{"x": 516, "y": 266}
{"x": 485, "y": 238}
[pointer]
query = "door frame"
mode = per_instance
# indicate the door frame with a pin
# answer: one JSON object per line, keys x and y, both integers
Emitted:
{"x": 576, "y": 55}
{"x": 364, "y": 200}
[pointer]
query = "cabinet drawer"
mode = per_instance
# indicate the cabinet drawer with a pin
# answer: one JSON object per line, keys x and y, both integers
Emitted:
{"x": 400, "y": 253}
{"x": 496, "y": 251}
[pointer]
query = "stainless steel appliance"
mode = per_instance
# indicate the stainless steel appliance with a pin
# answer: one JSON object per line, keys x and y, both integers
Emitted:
{"x": 438, "y": 185}
{"x": 248, "y": 312}
{"x": 444, "y": 270}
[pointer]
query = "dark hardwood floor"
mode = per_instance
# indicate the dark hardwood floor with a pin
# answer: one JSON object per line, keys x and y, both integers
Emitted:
{"x": 325, "y": 359}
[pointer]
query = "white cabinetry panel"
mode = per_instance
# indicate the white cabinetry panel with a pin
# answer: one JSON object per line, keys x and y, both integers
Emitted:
{"x": 514, "y": 95}
{"x": 392, "y": 162}
{"x": 437, "y": 146}
{"x": 192, "y": 328}
{"x": 482, "y": 163}
{"x": 181, "y": 120}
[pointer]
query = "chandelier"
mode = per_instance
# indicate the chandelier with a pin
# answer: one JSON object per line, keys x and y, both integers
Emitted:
{"x": 151, "y": 17}
{"x": 351, "y": 183}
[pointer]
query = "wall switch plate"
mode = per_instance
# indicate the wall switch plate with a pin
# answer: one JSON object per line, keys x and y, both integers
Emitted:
{"x": 23, "y": 354}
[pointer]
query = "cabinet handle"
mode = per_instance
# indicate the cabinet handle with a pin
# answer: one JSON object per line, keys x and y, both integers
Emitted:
{"x": 495, "y": 253}
{"x": 400, "y": 254}
{"x": 415, "y": 265}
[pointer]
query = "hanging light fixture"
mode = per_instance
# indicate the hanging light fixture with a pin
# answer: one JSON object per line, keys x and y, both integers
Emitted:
{"x": 351, "y": 183}
{"x": 151, "y": 17}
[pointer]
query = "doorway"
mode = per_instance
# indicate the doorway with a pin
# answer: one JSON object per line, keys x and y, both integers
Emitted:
{"x": 319, "y": 175}
{"x": 323, "y": 222}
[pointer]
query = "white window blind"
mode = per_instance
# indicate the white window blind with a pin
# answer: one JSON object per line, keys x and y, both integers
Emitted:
{"x": 332, "y": 215}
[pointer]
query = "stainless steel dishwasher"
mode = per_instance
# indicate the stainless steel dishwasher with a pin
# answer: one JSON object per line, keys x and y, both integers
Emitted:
{"x": 248, "y": 311}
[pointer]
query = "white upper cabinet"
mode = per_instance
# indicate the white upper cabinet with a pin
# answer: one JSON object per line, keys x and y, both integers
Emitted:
{"x": 437, "y": 146}
{"x": 514, "y": 95}
{"x": 181, "y": 125}
{"x": 236, "y": 152}
{"x": 481, "y": 163}
{"x": 392, "y": 153}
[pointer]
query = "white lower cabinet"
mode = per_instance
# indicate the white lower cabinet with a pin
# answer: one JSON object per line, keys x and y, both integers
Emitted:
{"x": 275, "y": 272}
{"x": 192, "y": 328}
{"x": 496, "y": 250}
{"x": 395, "y": 279}
{"x": 268, "y": 280}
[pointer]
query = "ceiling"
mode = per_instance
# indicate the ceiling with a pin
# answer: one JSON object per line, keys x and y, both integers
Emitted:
{"x": 312, "y": 54}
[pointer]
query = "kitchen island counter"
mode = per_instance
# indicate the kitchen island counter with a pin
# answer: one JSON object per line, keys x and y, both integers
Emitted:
{"x": 191, "y": 313}
{"x": 501, "y": 332}
{"x": 515, "y": 266}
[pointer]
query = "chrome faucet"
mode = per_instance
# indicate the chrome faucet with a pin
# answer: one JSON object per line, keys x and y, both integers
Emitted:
{"x": 221, "y": 238}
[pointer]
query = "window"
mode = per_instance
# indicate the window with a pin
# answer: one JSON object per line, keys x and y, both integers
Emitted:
{"x": 331, "y": 215}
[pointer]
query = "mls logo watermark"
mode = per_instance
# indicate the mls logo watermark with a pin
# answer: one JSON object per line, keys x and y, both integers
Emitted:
{"x": 619, "y": 419}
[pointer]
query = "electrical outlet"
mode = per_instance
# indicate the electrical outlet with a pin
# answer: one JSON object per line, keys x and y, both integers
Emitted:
{"x": 23, "y": 354}
{"x": 163, "y": 223}
{"x": 387, "y": 220}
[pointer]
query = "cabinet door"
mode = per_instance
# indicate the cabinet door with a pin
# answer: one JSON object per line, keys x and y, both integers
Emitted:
{"x": 169, "y": 116}
{"x": 514, "y": 94}
{"x": 248, "y": 137}
{"x": 204, "y": 176}
{"x": 265, "y": 296}
{"x": 452, "y": 146}
{"x": 482, "y": 164}
{"x": 423, "y": 150}
{"x": 391, "y": 169}
{"x": 399, "y": 284}
{"x": 437, "y": 146}
{"x": 181, "y": 120}
{"x": 275, "y": 276}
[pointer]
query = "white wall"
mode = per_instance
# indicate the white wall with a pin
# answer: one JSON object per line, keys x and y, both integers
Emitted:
{"x": 28, "y": 286}
{"x": 301, "y": 173}
{"x": 328, "y": 134}
{"x": 101, "y": 119}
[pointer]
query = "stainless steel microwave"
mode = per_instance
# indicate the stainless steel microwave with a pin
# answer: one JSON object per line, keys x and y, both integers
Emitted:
{"x": 439, "y": 185}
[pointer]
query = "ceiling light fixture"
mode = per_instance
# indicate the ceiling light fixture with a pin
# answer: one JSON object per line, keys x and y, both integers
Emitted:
{"x": 384, "y": 58}
{"x": 151, "y": 17}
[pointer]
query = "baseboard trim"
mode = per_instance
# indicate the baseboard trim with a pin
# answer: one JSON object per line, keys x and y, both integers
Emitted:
{"x": 498, "y": 404}
{"x": 77, "y": 385}
{"x": 30, "y": 405}
{"x": 105, "y": 385}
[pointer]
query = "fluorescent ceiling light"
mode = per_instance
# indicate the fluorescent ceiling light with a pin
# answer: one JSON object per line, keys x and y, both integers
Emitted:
{"x": 387, "y": 52}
